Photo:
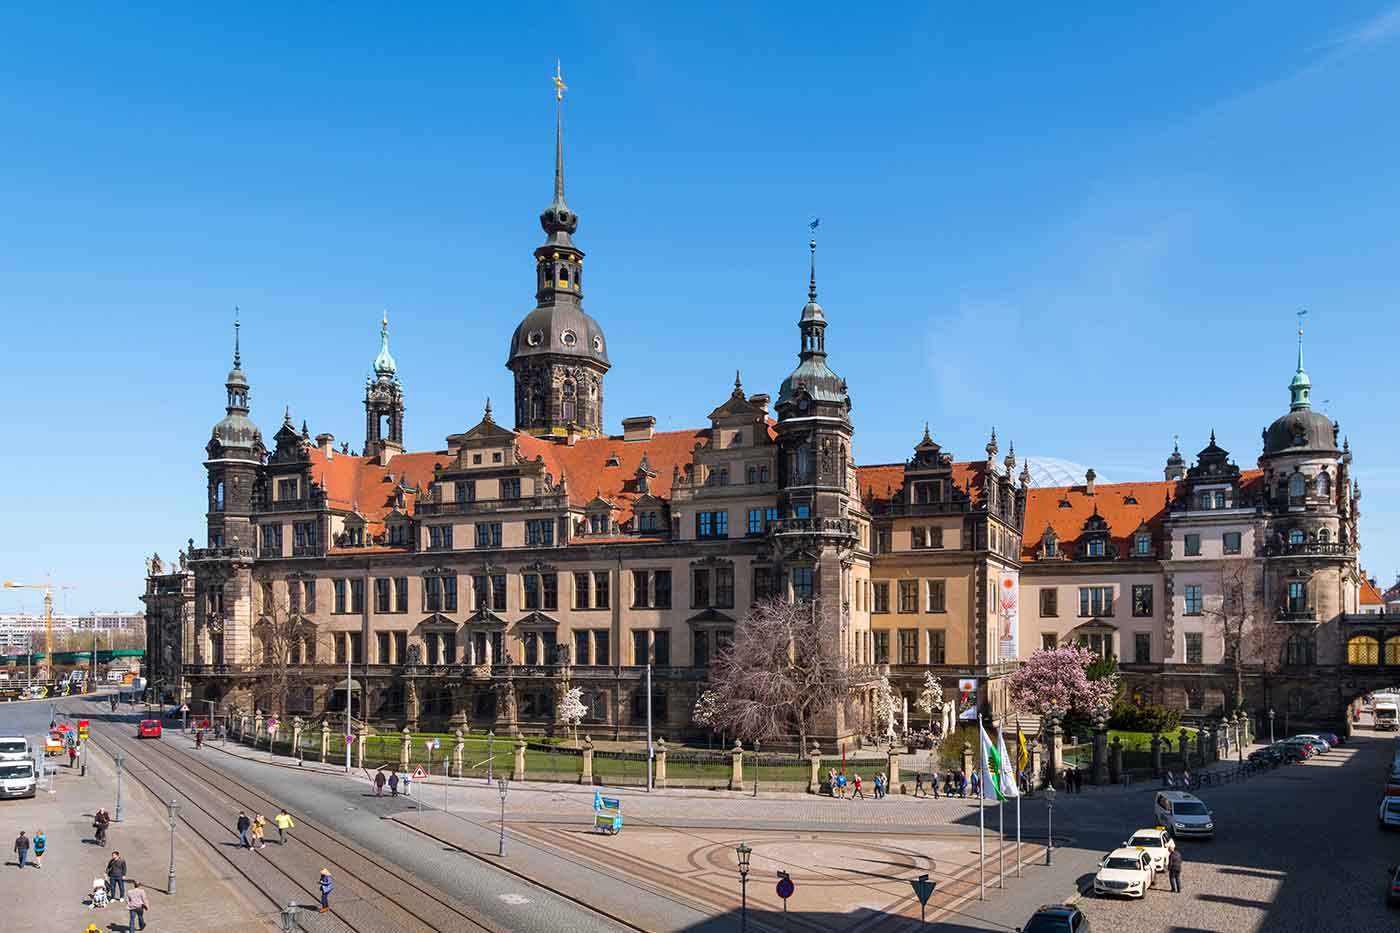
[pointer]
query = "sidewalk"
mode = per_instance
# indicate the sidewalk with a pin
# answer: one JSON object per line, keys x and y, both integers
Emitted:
{"x": 53, "y": 898}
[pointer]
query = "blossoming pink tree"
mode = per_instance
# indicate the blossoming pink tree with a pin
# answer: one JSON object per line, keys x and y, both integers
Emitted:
{"x": 1056, "y": 677}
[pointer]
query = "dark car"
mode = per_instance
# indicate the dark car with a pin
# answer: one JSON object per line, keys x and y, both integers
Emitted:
{"x": 1266, "y": 756}
{"x": 1057, "y": 918}
{"x": 1392, "y": 890}
{"x": 1332, "y": 738}
{"x": 1290, "y": 751}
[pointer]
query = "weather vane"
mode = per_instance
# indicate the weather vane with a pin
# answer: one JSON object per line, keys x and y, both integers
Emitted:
{"x": 559, "y": 86}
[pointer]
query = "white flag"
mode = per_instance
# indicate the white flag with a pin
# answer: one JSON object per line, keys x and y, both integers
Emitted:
{"x": 1010, "y": 787}
{"x": 989, "y": 765}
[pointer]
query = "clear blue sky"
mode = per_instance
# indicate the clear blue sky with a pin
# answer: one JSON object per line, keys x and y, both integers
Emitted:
{"x": 1090, "y": 229}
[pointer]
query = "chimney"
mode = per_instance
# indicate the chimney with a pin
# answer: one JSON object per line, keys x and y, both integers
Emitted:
{"x": 571, "y": 438}
{"x": 1089, "y": 482}
{"x": 760, "y": 401}
{"x": 326, "y": 444}
{"x": 639, "y": 428}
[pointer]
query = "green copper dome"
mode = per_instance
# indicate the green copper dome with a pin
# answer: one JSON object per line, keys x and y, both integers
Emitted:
{"x": 384, "y": 362}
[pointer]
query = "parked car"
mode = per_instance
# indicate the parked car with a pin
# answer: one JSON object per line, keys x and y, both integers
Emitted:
{"x": 1389, "y": 815}
{"x": 1056, "y": 918}
{"x": 1392, "y": 893}
{"x": 1307, "y": 747}
{"x": 1317, "y": 740}
{"x": 17, "y": 779}
{"x": 1184, "y": 814}
{"x": 1124, "y": 871}
{"x": 1269, "y": 755}
{"x": 1156, "y": 842}
{"x": 1290, "y": 751}
{"x": 149, "y": 729}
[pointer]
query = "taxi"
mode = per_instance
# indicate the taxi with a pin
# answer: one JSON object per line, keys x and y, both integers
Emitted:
{"x": 1124, "y": 871}
{"x": 1156, "y": 842}
{"x": 149, "y": 729}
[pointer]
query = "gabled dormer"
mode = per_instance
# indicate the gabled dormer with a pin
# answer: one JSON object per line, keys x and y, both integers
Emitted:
{"x": 1213, "y": 483}
{"x": 650, "y": 516}
{"x": 398, "y": 528}
{"x": 742, "y": 421}
{"x": 482, "y": 447}
{"x": 1095, "y": 539}
{"x": 1049, "y": 545}
{"x": 1140, "y": 544}
{"x": 599, "y": 516}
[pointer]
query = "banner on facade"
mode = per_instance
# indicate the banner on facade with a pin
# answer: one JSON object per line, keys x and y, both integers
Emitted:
{"x": 967, "y": 700}
{"x": 1008, "y": 614}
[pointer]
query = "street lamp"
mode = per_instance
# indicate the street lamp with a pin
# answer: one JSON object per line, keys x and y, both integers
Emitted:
{"x": 501, "y": 784}
{"x": 755, "y": 767}
{"x": 490, "y": 754}
{"x": 1050, "y": 825}
{"x": 120, "y": 760}
{"x": 1271, "y": 725}
{"x": 174, "y": 807}
{"x": 744, "y": 853}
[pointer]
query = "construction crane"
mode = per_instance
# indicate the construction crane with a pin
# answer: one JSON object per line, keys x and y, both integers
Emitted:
{"x": 47, "y": 670}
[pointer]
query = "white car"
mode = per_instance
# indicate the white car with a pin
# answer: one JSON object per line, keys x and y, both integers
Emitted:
{"x": 1389, "y": 815}
{"x": 1184, "y": 814}
{"x": 17, "y": 779}
{"x": 1156, "y": 842}
{"x": 1124, "y": 871}
{"x": 1318, "y": 741}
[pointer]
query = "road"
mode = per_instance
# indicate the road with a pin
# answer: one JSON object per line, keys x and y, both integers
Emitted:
{"x": 1297, "y": 849}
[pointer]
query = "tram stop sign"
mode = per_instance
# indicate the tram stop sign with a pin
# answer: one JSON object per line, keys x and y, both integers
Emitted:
{"x": 785, "y": 888}
{"x": 349, "y": 739}
{"x": 923, "y": 888}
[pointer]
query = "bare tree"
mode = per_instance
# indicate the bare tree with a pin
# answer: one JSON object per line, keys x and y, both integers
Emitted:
{"x": 782, "y": 671}
{"x": 1235, "y": 615}
{"x": 285, "y": 643}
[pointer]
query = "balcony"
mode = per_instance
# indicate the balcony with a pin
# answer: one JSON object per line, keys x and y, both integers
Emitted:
{"x": 488, "y": 506}
{"x": 308, "y": 550}
{"x": 221, "y": 553}
{"x": 1309, "y": 548}
{"x": 919, "y": 509}
{"x": 826, "y": 527}
{"x": 1308, "y": 615}
{"x": 312, "y": 503}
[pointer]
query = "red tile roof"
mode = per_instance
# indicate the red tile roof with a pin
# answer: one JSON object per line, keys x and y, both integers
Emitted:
{"x": 881, "y": 482}
{"x": 1370, "y": 595}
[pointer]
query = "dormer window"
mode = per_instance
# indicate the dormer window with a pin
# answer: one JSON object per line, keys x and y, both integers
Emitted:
{"x": 1094, "y": 548}
{"x": 1050, "y": 545}
{"x": 612, "y": 461}
{"x": 1142, "y": 545}
{"x": 598, "y": 524}
{"x": 398, "y": 534}
{"x": 1220, "y": 499}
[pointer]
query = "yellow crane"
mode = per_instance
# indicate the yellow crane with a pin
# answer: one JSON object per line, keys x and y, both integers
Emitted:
{"x": 47, "y": 670}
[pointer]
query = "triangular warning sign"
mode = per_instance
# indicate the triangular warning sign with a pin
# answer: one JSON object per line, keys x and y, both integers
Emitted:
{"x": 419, "y": 773}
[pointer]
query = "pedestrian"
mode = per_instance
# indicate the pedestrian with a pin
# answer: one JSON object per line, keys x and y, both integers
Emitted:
{"x": 72, "y": 755}
{"x": 948, "y": 783}
{"x": 976, "y": 784}
{"x": 407, "y": 779}
{"x": 379, "y": 784}
{"x": 962, "y": 783}
{"x": 199, "y": 738}
{"x": 283, "y": 822}
{"x": 933, "y": 783}
{"x": 258, "y": 828}
{"x": 393, "y": 783}
{"x": 41, "y": 842}
{"x": 1174, "y": 869}
{"x": 116, "y": 876}
{"x": 100, "y": 822}
{"x": 857, "y": 792}
{"x": 22, "y": 848}
{"x": 876, "y": 782}
{"x": 136, "y": 906}
{"x": 841, "y": 785}
{"x": 243, "y": 825}
{"x": 327, "y": 886}
{"x": 919, "y": 784}
{"x": 831, "y": 781}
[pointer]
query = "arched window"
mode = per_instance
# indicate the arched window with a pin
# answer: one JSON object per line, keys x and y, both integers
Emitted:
{"x": 1297, "y": 702}
{"x": 219, "y": 496}
{"x": 564, "y": 276}
{"x": 1296, "y": 486}
{"x": 1392, "y": 650}
{"x": 1363, "y": 649}
{"x": 1298, "y": 650}
{"x": 1323, "y": 536}
{"x": 568, "y": 402}
{"x": 1297, "y": 536}
{"x": 1324, "y": 486}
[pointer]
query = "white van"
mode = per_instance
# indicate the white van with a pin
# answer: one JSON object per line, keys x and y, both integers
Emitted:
{"x": 15, "y": 748}
{"x": 17, "y": 779}
{"x": 1184, "y": 814}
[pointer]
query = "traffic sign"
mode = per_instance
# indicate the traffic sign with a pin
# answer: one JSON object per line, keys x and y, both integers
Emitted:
{"x": 432, "y": 743}
{"x": 419, "y": 773}
{"x": 785, "y": 888}
{"x": 184, "y": 707}
{"x": 349, "y": 739}
{"x": 923, "y": 888}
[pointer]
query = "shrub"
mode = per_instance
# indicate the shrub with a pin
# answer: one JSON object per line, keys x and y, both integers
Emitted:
{"x": 1151, "y": 718}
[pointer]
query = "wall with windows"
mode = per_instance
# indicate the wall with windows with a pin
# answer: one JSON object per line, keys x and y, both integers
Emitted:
{"x": 1058, "y": 601}
{"x": 921, "y": 612}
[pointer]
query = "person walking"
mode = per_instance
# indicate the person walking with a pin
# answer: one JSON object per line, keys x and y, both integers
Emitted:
{"x": 379, "y": 784}
{"x": 933, "y": 783}
{"x": 116, "y": 876}
{"x": 962, "y": 783}
{"x": 327, "y": 885}
{"x": 1174, "y": 869}
{"x": 100, "y": 822}
{"x": 259, "y": 827}
{"x": 976, "y": 783}
{"x": 136, "y": 905}
{"x": 857, "y": 785}
{"x": 22, "y": 848}
{"x": 919, "y": 784}
{"x": 841, "y": 785}
{"x": 876, "y": 782}
{"x": 831, "y": 780}
{"x": 199, "y": 738}
{"x": 41, "y": 842}
{"x": 72, "y": 755}
{"x": 393, "y": 783}
{"x": 243, "y": 825}
{"x": 283, "y": 822}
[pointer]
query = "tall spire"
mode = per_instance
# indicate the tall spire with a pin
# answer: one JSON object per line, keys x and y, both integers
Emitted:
{"x": 384, "y": 365}
{"x": 1300, "y": 389}
{"x": 812, "y": 281}
{"x": 237, "y": 383}
{"x": 237, "y": 363}
{"x": 559, "y": 88}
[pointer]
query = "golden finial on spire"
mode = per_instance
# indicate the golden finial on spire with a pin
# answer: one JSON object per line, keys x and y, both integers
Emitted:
{"x": 559, "y": 86}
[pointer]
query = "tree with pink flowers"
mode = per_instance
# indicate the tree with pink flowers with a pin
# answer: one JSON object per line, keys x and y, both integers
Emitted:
{"x": 1058, "y": 677}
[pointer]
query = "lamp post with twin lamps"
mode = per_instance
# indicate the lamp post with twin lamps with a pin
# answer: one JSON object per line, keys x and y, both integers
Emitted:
{"x": 174, "y": 810}
{"x": 501, "y": 783}
{"x": 1271, "y": 725}
{"x": 120, "y": 760}
{"x": 744, "y": 853}
{"x": 1050, "y": 824}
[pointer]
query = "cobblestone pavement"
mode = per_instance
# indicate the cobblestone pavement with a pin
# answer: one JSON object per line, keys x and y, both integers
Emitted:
{"x": 1297, "y": 850}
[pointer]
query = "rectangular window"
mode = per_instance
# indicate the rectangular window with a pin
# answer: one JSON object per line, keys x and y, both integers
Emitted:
{"x": 1049, "y": 603}
{"x": 339, "y": 587}
{"x": 449, "y": 593}
{"x": 880, "y": 597}
{"x": 1297, "y": 596}
{"x": 1142, "y": 600}
{"x": 308, "y": 597}
{"x": 381, "y": 648}
{"x": 700, "y": 642}
{"x": 466, "y": 490}
{"x": 432, "y": 594}
{"x": 271, "y": 540}
{"x": 498, "y": 592}
{"x": 724, "y": 587}
{"x": 401, "y": 594}
{"x": 916, "y": 537}
{"x": 1194, "y": 651}
{"x": 341, "y": 642}
{"x": 439, "y": 537}
{"x": 357, "y": 595}
{"x": 539, "y": 532}
{"x": 699, "y": 589}
{"x": 1193, "y": 545}
{"x": 1142, "y": 647}
{"x": 286, "y": 489}
{"x": 937, "y": 596}
{"x": 762, "y": 583}
{"x": 357, "y": 648}
{"x": 581, "y": 600}
{"x": 601, "y": 595}
{"x": 400, "y": 647}
{"x": 641, "y": 648}
{"x": 510, "y": 488}
{"x": 488, "y": 534}
{"x": 1231, "y": 542}
{"x": 755, "y": 520}
{"x": 712, "y": 524}
{"x": 661, "y": 648}
{"x": 398, "y": 534}
{"x": 663, "y": 589}
{"x": 532, "y": 590}
{"x": 381, "y": 594}
{"x": 802, "y": 583}
{"x": 549, "y": 583}
{"x": 641, "y": 589}
{"x": 1095, "y": 601}
{"x": 581, "y": 645}
{"x": 1048, "y": 641}
{"x": 935, "y": 536}
{"x": 882, "y": 541}
{"x": 908, "y": 646}
{"x": 908, "y": 595}
{"x": 293, "y": 597}
{"x": 937, "y": 646}
{"x": 1194, "y": 605}
{"x": 482, "y": 591}
{"x": 881, "y": 647}
{"x": 601, "y": 654}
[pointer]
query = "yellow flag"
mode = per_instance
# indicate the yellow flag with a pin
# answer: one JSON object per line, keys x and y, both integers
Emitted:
{"x": 1023, "y": 755}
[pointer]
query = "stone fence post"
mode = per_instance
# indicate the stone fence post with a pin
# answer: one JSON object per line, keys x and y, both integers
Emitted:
{"x": 814, "y": 783}
{"x": 405, "y": 749}
{"x": 893, "y": 773}
{"x": 967, "y": 761}
{"x": 360, "y": 747}
{"x": 736, "y": 766}
{"x": 517, "y": 771}
{"x": 1115, "y": 760}
{"x": 586, "y": 768}
{"x": 659, "y": 773}
{"x": 458, "y": 747}
{"x": 1035, "y": 775}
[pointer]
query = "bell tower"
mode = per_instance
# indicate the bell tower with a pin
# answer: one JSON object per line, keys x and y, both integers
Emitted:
{"x": 383, "y": 402}
{"x": 235, "y": 454}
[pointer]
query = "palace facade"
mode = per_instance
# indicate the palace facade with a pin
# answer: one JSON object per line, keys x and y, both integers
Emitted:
{"x": 473, "y": 584}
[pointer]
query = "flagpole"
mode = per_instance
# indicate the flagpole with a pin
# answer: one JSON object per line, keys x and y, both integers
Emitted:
{"x": 981, "y": 812}
{"x": 1001, "y": 810}
{"x": 1018, "y": 835}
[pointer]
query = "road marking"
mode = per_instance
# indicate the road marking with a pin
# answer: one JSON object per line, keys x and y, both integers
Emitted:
{"x": 515, "y": 899}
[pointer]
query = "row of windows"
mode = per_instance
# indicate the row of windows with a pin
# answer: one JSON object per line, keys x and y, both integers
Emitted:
{"x": 1097, "y": 601}
{"x": 935, "y": 596}
{"x": 1363, "y": 649}
{"x": 1229, "y": 543}
{"x": 908, "y": 646}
